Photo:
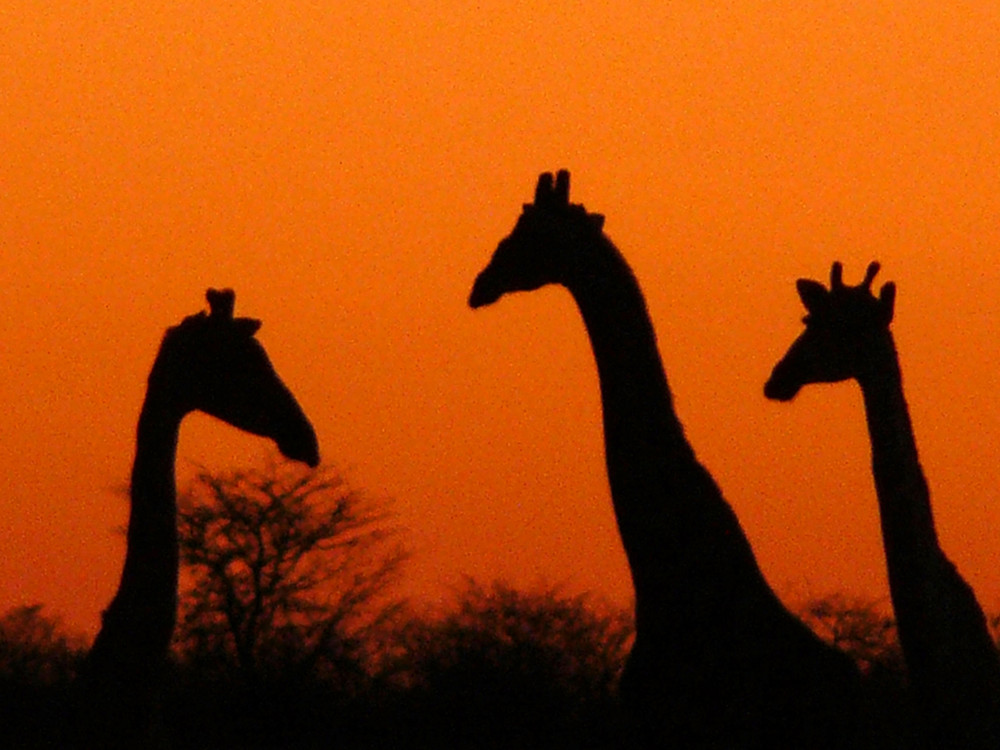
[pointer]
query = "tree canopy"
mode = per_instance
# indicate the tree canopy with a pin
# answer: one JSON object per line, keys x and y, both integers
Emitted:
{"x": 283, "y": 566}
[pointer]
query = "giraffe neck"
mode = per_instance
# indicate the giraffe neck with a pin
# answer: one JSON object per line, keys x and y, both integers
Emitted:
{"x": 637, "y": 403}
{"x": 683, "y": 542}
{"x": 138, "y": 624}
{"x": 952, "y": 661}
{"x": 910, "y": 540}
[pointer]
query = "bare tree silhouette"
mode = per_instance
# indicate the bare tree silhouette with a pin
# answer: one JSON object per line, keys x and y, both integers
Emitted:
{"x": 287, "y": 570}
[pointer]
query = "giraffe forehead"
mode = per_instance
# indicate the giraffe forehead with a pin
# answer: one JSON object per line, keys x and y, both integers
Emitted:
{"x": 200, "y": 334}
{"x": 569, "y": 223}
{"x": 851, "y": 306}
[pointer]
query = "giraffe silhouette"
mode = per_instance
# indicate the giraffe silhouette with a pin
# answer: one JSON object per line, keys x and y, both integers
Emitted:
{"x": 953, "y": 666}
{"x": 211, "y": 363}
{"x": 717, "y": 661}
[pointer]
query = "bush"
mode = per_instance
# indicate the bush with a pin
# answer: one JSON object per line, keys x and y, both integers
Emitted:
{"x": 38, "y": 661}
{"x": 512, "y": 668}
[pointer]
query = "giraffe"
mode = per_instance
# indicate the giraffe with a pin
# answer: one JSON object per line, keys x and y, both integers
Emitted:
{"x": 717, "y": 660}
{"x": 953, "y": 666}
{"x": 211, "y": 363}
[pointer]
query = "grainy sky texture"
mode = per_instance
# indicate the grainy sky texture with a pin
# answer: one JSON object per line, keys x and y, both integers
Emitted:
{"x": 349, "y": 168}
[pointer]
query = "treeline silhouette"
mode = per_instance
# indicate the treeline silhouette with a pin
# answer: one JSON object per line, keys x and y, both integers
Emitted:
{"x": 496, "y": 667}
{"x": 291, "y": 636}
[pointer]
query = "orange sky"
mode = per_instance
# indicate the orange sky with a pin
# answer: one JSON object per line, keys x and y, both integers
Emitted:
{"x": 348, "y": 170}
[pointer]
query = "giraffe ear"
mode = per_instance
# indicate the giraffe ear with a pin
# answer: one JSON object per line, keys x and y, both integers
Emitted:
{"x": 887, "y": 301}
{"x": 813, "y": 294}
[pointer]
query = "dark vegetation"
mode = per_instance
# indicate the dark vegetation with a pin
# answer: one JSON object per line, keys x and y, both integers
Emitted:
{"x": 290, "y": 637}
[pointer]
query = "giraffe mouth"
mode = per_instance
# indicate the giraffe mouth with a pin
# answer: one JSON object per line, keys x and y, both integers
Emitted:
{"x": 776, "y": 390}
{"x": 484, "y": 291}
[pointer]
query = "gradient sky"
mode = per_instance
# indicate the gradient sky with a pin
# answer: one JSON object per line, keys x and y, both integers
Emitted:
{"x": 348, "y": 169}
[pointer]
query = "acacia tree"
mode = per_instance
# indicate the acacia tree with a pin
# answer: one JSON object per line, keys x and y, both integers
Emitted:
{"x": 286, "y": 570}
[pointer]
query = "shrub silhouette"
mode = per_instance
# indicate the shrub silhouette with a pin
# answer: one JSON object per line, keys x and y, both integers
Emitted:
{"x": 38, "y": 661}
{"x": 514, "y": 668}
{"x": 863, "y": 629}
{"x": 36, "y": 649}
{"x": 860, "y": 627}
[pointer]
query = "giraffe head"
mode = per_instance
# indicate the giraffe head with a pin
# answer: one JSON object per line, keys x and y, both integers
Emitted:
{"x": 543, "y": 248}
{"x": 839, "y": 323}
{"x": 214, "y": 363}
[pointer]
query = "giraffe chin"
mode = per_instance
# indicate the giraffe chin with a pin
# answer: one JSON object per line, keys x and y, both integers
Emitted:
{"x": 307, "y": 454}
{"x": 483, "y": 293}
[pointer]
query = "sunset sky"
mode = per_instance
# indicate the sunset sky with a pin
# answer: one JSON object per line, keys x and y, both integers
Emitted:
{"x": 348, "y": 168}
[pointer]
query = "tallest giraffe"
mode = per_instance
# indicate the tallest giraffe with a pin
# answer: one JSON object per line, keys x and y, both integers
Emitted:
{"x": 717, "y": 660}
